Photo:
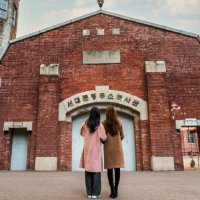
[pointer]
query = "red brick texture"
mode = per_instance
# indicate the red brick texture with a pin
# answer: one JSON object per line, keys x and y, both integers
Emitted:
{"x": 47, "y": 120}
{"x": 27, "y": 96}
{"x": 159, "y": 115}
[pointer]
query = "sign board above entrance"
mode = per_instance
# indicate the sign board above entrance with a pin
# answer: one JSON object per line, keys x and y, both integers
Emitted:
{"x": 191, "y": 122}
{"x": 103, "y": 95}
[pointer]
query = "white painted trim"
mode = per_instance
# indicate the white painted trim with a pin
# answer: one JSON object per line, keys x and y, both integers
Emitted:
{"x": 9, "y": 125}
{"x": 75, "y": 102}
{"x": 162, "y": 163}
{"x": 101, "y": 106}
{"x": 46, "y": 164}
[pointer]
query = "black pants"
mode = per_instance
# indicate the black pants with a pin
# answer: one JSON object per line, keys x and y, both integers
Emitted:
{"x": 115, "y": 182}
{"x": 93, "y": 183}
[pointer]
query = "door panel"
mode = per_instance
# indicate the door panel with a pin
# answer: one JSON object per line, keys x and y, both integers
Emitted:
{"x": 19, "y": 150}
{"x": 128, "y": 142}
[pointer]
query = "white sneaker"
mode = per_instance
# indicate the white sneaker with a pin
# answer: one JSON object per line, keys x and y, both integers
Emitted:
{"x": 89, "y": 197}
{"x": 94, "y": 197}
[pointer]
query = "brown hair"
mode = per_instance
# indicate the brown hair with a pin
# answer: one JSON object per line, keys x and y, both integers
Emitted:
{"x": 112, "y": 123}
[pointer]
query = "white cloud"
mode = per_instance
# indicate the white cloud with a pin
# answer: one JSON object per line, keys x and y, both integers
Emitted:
{"x": 182, "y": 14}
{"x": 54, "y": 17}
{"x": 82, "y": 3}
{"x": 183, "y": 7}
{"x": 185, "y": 24}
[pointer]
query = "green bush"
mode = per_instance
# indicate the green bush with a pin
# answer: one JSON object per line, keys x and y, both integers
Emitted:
{"x": 192, "y": 163}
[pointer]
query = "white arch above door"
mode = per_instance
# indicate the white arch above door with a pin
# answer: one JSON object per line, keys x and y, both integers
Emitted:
{"x": 102, "y": 94}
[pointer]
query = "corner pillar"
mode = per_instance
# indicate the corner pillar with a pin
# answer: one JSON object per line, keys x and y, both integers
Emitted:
{"x": 162, "y": 157}
{"x": 47, "y": 119}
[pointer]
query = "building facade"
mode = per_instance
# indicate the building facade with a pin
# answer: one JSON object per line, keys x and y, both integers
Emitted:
{"x": 8, "y": 22}
{"x": 51, "y": 79}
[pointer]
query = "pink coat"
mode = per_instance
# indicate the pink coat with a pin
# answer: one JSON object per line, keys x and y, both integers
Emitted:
{"x": 91, "y": 157}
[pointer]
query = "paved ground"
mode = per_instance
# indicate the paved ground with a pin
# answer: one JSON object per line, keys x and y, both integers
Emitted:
{"x": 68, "y": 185}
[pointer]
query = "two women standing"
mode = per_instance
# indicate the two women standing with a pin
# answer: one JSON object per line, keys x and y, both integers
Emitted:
{"x": 111, "y": 134}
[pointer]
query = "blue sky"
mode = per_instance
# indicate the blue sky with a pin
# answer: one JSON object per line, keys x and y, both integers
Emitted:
{"x": 39, "y": 14}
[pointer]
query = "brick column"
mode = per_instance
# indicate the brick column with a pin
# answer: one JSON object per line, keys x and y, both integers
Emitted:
{"x": 6, "y": 150}
{"x": 65, "y": 146}
{"x": 47, "y": 120}
{"x": 146, "y": 147}
{"x": 159, "y": 116}
{"x": 138, "y": 143}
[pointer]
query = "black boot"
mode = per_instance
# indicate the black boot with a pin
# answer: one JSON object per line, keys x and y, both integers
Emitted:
{"x": 116, "y": 191}
{"x": 110, "y": 179}
{"x": 117, "y": 179}
{"x": 113, "y": 193}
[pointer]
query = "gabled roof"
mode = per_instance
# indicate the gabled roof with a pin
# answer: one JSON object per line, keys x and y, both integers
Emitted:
{"x": 96, "y": 13}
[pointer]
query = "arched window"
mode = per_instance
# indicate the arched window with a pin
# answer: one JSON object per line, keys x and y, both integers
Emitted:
{"x": 3, "y": 9}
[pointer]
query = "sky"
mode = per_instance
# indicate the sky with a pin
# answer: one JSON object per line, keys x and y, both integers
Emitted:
{"x": 39, "y": 14}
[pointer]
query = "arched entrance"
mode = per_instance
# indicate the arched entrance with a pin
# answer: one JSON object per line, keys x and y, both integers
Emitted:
{"x": 128, "y": 142}
{"x": 133, "y": 113}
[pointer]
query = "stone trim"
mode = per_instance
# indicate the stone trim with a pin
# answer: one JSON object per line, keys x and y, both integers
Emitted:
{"x": 102, "y": 57}
{"x": 46, "y": 164}
{"x": 103, "y": 95}
{"x": 162, "y": 163}
{"x": 52, "y": 69}
{"x": 100, "y": 32}
{"x": 181, "y": 123}
{"x": 116, "y": 31}
{"x": 10, "y": 125}
{"x": 155, "y": 66}
{"x": 0, "y": 82}
{"x": 86, "y": 32}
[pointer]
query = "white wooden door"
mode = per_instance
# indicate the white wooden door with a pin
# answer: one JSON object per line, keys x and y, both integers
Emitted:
{"x": 19, "y": 150}
{"x": 128, "y": 142}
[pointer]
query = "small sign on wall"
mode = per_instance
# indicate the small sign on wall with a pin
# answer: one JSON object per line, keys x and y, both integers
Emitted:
{"x": 191, "y": 122}
{"x": 101, "y": 57}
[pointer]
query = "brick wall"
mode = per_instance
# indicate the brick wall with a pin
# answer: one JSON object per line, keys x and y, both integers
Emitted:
{"x": 19, "y": 70}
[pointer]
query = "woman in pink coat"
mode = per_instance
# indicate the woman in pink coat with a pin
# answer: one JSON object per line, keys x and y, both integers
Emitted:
{"x": 91, "y": 159}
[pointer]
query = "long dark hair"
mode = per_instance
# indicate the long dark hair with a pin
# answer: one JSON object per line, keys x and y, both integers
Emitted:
{"x": 94, "y": 119}
{"x": 112, "y": 123}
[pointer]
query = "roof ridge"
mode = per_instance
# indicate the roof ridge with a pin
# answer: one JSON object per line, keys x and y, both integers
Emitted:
{"x": 106, "y": 13}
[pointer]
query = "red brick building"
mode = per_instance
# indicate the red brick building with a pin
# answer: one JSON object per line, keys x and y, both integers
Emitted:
{"x": 51, "y": 78}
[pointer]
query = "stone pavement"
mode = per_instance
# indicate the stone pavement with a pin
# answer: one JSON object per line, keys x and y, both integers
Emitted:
{"x": 70, "y": 185}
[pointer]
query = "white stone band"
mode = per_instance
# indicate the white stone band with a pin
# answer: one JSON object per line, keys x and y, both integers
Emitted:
{"x": 162, "y": 163}
{"x": 9, "y": 125}
{"x": 46, "y": 164}
{"x": 155, "y": 66}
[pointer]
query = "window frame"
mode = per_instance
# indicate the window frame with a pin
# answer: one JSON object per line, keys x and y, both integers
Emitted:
{"x": 191, "y": 138}
{"x": 3, "y": 9}
{"x": 14, "y": 16}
